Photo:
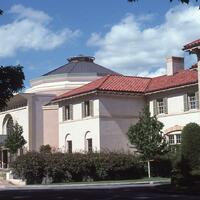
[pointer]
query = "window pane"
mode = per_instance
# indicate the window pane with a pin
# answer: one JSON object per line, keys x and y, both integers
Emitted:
{"x": 69, "y": 146}
{"x": 87, "y": 108}
{"x": 178, "y": 138}
{"x": 192, "y": 101}
{"x": 160, "y": 106}
{"x": 171, "y": 139}
{"x": 89, "y": 142}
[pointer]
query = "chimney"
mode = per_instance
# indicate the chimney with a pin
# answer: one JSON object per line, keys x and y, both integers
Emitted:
{"x": 174, "y": 64}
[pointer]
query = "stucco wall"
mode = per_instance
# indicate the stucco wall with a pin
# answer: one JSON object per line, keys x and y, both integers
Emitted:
{"x": 176, "y": 114}
{"x": 78, "y": 127}
{"x": 19, "y": 115}
{"x": 37, "y": 119}
{"x": 117, "y": 113}
{"x": 50, "y": 128}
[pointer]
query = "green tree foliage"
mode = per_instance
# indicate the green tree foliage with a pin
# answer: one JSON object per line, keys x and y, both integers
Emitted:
{"x": 147, "y": 137}
{"x": 191, "y": 144}
{"x": 11, "y": 81}
{"x": 45, "y": 148}
{"x": 15, "y": 139}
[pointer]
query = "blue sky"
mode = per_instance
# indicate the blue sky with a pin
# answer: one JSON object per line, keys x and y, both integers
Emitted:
{"x": 133, "y": 39}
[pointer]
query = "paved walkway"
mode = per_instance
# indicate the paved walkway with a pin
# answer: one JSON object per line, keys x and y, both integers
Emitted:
{"x": 4, "y": 183}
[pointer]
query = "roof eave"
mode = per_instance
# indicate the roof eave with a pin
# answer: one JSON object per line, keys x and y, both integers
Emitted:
{"x": 171, "y": 88}
{"x": 129, "y": 93}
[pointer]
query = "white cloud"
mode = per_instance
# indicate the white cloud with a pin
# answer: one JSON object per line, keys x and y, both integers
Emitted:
{"x": 130, "y": 48}
{"x": 30, "y": 30}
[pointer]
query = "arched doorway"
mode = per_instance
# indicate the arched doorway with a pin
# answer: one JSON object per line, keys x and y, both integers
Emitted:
{"x": 6, "y": 129}
{"x": 68, "y": 143}
{"x": 88, "y": 142}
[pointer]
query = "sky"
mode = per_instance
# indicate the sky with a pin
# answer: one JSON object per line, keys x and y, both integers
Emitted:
{"x": 130, "y": 38}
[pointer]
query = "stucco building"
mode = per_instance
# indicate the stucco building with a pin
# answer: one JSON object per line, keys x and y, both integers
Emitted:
{"x": 82, "y": 106}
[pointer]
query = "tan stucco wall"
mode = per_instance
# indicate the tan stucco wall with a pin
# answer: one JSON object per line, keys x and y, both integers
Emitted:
{"x": 50, "y": 128}
{"x": 117, "y": 113}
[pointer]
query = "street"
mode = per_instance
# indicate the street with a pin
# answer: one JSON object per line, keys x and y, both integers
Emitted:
{"x": 115, "y": 193}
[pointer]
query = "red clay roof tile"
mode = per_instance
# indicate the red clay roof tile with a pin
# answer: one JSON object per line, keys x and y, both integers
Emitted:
{"x": 134, "y": 84}
{"x": 181, "y": 78}
{"x": 191, "y": 44}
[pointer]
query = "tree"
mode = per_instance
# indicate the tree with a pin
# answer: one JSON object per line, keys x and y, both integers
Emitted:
{"x": 45, "y": 149}
{"x": 15, "y": 139}
{"x": 190, "y": 145}
{"x": 182, "y": 1}
{"x": 11, "y": 81}
{"x": 147, "y": 136}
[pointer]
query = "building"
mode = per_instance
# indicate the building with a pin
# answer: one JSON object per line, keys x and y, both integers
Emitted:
{"x": 82, "y": 106}
{"x": 33, "y": 110}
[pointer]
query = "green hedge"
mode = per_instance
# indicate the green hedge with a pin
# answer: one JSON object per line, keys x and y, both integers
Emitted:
{"x": 35, "y": 167}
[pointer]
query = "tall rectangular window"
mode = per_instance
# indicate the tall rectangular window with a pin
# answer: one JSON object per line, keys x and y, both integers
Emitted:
{"x": 69, "y": 146}
{"x": 160, "y": 106}
{"x": 192, "y": 101}
{"x": 87, "y": 108}
{"x": 171, "y": 139}
{"x": 178, "y": 138}
{"x": 89, "y": 145}
{"x": 67, "y": 112}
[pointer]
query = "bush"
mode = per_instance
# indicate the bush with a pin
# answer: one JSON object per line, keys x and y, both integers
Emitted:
{"x": 161, "y": 167}
{"x": 30, "y": 167}
{"x": 191, "y": 144}
{"x": 45, "y": 148}
{"x": 59, "y": 167}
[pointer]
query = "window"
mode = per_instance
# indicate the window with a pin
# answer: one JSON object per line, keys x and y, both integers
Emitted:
{"x": 87, "y": 108}
{"x": 67, "y": 112}
{"x": 69, "y": 146}
{"x": 178, "y": 138}
{"x": 89, "y": 145}
{"x": 191, "y": 101}
{"x": 171, "y": 139}
{"x": 174, "y": 139}
{"x": 160, "y": 106}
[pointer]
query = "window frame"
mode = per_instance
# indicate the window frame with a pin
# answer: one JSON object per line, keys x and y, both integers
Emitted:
{"x": 67, "y": 112}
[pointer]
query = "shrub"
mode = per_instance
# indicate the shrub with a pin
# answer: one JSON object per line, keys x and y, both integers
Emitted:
{"x": 45, "y": 148}
{"x": 30, "y": 167}
{"x": 191, "y": 144}
{"x": 59, "y": 167}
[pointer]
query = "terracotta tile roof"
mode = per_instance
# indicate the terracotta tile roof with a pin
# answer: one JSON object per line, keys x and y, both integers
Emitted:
{"x": 191, "y": 44}
{"x": 134, "y": 84}
{"x": 184, "y": 77}
{"x": 111, "y": 83}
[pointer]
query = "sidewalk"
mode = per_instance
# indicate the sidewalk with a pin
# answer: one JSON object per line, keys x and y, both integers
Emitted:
{"x": 104, "y": 185}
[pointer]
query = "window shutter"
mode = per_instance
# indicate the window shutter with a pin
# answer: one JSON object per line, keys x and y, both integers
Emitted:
{"x": 197, "y": 99}
{"x": 155, "y": 107}
{"x": 91, "y": 108}
{"x": 83, "y": 109}
{"x": 63, "y": 113}
{"x": 186, "y": 102}
{"x": 165, "y": 105}
{"x": 71, "y": 111}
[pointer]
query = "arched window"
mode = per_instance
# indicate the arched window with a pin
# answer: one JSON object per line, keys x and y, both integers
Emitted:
{"x": 7, "y": 124}
{"x": 68, "y": 143}
{"x": 88, "y": 142}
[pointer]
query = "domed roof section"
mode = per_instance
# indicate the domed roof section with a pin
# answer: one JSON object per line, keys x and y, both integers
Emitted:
{"x": 81, "y": 65}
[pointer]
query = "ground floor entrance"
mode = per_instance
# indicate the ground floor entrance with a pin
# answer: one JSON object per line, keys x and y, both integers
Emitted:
{"x": 4, "y": 157}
